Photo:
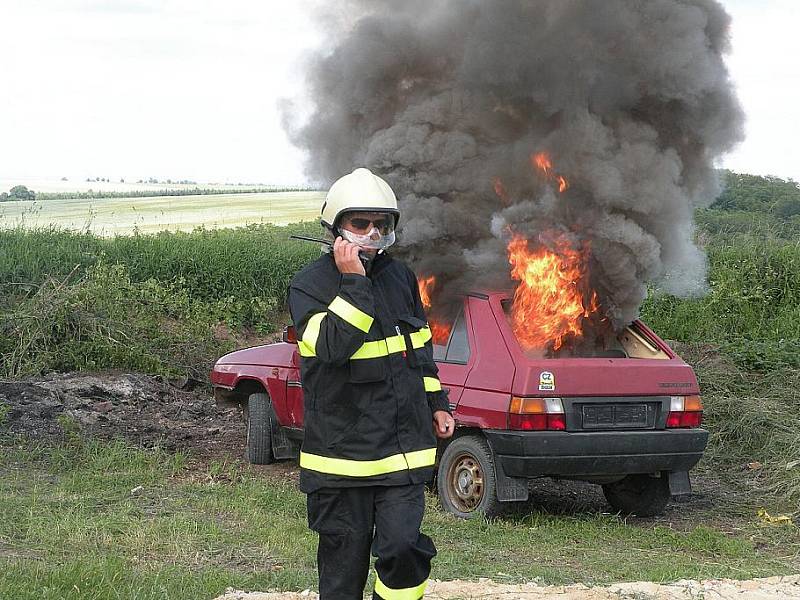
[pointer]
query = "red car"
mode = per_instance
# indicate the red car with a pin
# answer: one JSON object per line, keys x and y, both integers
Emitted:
{"x": 627, "y": 418}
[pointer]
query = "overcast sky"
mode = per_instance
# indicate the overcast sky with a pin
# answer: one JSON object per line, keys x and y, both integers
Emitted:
{"x": 188, "y": 89}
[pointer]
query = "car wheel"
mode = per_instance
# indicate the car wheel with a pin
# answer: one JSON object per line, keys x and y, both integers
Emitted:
{"x": 640, "y": 495}
{"x": 466, "y": 479}
{"x": 259, "y": 430}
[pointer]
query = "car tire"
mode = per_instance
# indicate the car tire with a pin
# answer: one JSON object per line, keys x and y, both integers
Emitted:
{"x": 258, "y": 414}
{"x": 640, "y": 495}
{"x": 466, "y": 478}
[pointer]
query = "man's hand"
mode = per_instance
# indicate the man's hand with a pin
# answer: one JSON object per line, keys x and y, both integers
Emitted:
{"x": 346, "y": 256}
{"x": 443, "y": 424}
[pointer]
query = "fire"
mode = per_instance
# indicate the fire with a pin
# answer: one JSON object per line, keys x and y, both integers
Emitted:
{"x": 542, "y": 161}
{"x": 551, "y": 300}
{"x": 500, "y": 190}
{"x": 440, "y": 330}
{"x": 425, "y": 288}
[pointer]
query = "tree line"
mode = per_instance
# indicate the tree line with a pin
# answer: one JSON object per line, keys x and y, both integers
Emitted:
{"x": 21, "y": 192}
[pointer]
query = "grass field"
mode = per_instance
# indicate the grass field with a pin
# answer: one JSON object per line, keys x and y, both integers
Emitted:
{"x": 106, "y": 217}
{"x": 71, "y": 527}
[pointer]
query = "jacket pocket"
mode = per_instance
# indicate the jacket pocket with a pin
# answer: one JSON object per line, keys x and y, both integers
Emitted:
{"x": 415, "y": 332}
{"x": 367, "y": 370}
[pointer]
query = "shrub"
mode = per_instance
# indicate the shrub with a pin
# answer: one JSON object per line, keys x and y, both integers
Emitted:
{"x": 102, "y": 319}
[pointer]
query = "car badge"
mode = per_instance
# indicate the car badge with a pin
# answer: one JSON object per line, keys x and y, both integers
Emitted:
{"x": 547, "y": 382}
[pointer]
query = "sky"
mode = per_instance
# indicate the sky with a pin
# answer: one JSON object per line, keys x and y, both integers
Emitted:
{"x": 189, "y": 89}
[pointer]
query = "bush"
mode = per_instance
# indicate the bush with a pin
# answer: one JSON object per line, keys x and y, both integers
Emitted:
{"x": 753, "y": 419}
{"x": 753, "y": 306}
{"x": 102, "y": 319}
{"x": 242, "y": 272}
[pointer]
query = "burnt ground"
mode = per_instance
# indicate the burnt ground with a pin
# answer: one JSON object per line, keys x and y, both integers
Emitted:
{"x": 143, "y": 410}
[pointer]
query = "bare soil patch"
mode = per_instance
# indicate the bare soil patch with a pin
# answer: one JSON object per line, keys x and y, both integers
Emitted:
{"x": 142, "y": 409}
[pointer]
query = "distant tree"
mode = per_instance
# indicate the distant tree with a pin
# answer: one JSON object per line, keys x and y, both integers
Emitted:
{"x": 121, "y": 180}
{"x": 64, "y": 179}
{"x": 20, "y": 192}
{"x": 753, "y": 193}
{"x": 3, "y": 197}
{"x": 788, "y": 207}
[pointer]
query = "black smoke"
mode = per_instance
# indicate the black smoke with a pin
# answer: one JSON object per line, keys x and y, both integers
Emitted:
{"x": 630, "y": 99}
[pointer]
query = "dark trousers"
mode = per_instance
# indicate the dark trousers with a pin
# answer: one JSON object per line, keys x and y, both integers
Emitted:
{"x": 351, "y": 521}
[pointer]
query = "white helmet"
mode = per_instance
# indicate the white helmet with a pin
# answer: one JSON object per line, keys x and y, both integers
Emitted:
{"x": 360, "y": 190}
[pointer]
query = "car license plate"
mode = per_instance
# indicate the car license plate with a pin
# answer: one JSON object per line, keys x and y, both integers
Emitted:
{"x": 607, "y": 416}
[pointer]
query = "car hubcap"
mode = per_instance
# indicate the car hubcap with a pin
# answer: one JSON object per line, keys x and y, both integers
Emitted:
{"x": 466, "y": 483}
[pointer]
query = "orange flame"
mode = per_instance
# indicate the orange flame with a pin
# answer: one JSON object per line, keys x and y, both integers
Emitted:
{"x": 541, "y": 161}
{"x": 440, "y": 330}
{"x": 500, "y": 190}
{"x": 425, "y": 288}
{"x": 549, "y": 300}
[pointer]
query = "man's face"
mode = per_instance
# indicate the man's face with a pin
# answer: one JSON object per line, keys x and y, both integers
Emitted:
{"x": 366, "y": 223}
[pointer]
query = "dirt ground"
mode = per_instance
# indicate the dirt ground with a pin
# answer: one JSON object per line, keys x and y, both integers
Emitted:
{"x": 755, "y": 589}
{"x": 141, "y": 409}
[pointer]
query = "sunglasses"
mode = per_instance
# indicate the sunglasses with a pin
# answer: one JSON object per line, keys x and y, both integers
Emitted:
{"x": 383, "y": 225}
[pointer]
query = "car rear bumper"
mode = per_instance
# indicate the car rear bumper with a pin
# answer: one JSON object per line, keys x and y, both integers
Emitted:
{"x": 542, "y": 453}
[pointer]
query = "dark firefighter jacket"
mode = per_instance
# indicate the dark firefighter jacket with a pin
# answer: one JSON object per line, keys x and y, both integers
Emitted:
{"x": 370, "y": 385}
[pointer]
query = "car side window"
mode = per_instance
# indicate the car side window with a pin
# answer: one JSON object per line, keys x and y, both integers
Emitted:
{"x": 439, "y": 351}
{"x": 458, "y": 344}
{"x": 455, "y": 348}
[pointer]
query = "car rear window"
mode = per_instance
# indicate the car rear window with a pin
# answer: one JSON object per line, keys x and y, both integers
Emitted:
{"x": 592, "y": 344}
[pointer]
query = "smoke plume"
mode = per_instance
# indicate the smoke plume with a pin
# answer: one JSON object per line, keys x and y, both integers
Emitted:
{"x": 449, "y": 99}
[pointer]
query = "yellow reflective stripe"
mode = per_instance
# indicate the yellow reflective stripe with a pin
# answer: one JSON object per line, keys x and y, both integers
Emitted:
{"x": 368, "y": 468}
{"x": 352, "y": 314}
{"x": 396, "y": 343}
{"x": 387, "y": 593}
{"x": 373, "y": 349}
{"x": 421, "y": 458}
{"x": 308, "y": 344}
{"x": 418, "y": 338}
{"x": 432, "y": 384}
{"x": 378, "y": 348}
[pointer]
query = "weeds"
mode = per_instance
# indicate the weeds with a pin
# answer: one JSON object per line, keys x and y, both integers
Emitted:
{"x": 103, "y": 319}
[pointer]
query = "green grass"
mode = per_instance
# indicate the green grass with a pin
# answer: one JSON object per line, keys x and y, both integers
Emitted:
{"x": 210, "y": 264}
{"x": 74, "y": 301}
{"x": 752, "y": 309}
{"x": 72, "y": 528}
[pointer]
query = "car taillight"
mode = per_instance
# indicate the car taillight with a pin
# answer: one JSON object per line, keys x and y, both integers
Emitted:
{"x": 685, "y": 411}
{"x": 536, "y": 414}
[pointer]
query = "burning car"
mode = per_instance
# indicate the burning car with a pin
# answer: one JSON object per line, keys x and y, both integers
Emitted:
{"x": 533, "y": 395}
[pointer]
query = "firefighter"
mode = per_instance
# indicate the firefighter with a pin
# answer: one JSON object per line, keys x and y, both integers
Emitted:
{"x": 373, "y": 403}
